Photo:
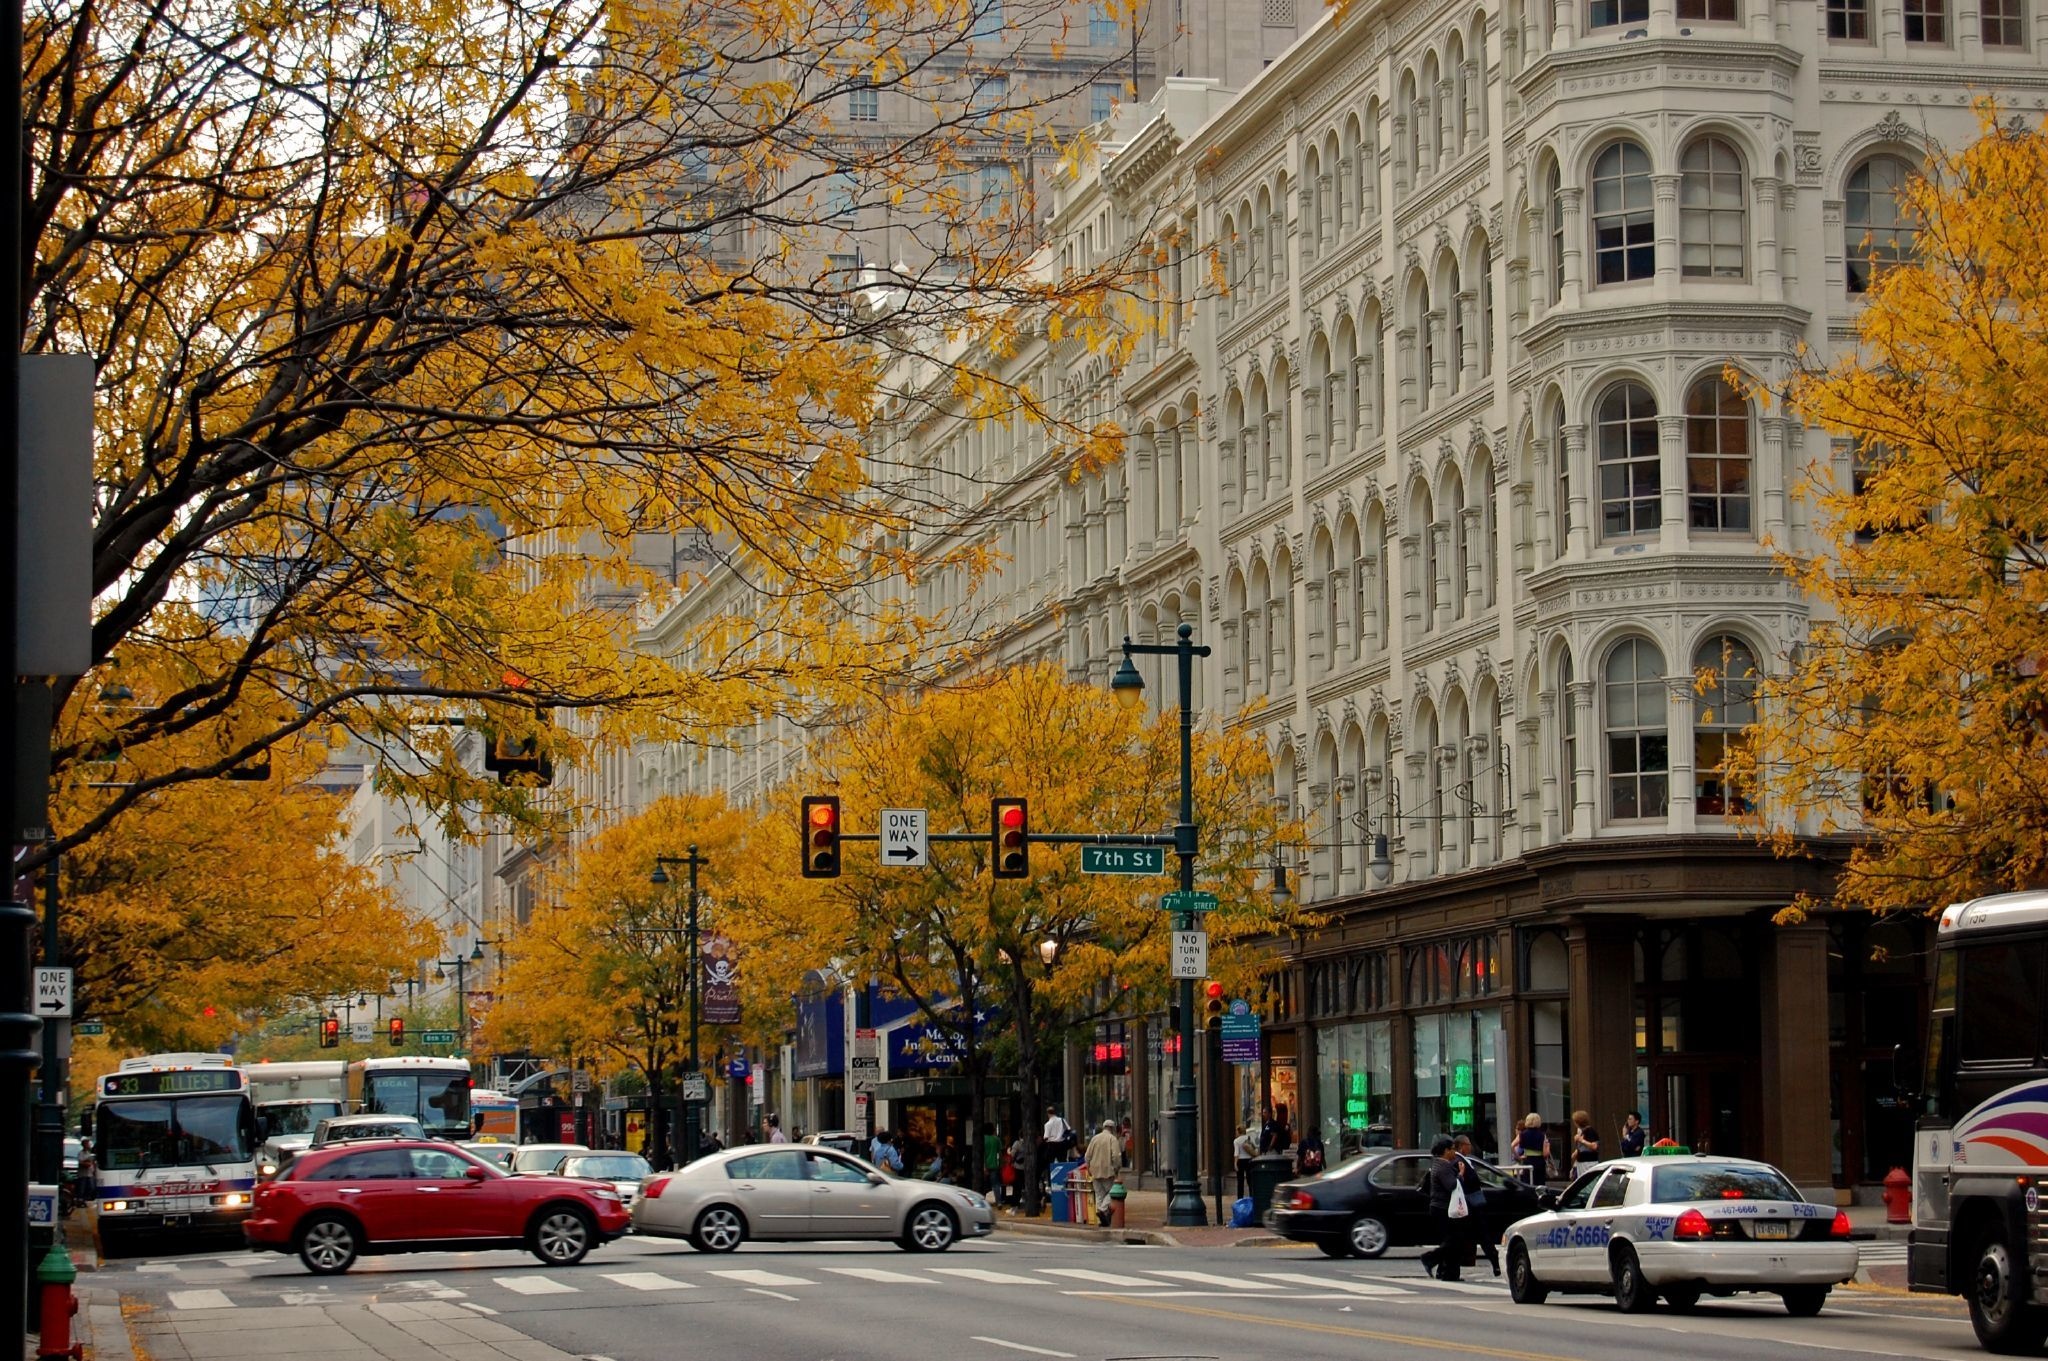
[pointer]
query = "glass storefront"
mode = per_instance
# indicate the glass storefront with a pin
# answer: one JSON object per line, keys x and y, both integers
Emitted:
{"x": 1355, "y": 1087}
{"x": 1105, "y": 1079}
{"x": 1456, "y": 1084}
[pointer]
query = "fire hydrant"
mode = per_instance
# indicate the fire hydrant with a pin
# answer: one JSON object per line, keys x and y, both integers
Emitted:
{"x": 1116, "y": 1205}
{"x": 55, "y": 1276}
{"x": 1898, "y": 1197}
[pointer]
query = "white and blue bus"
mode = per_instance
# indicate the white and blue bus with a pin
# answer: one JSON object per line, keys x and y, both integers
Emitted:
{"x": 173, "y": 1147}
{"x": 436, "y": 1090}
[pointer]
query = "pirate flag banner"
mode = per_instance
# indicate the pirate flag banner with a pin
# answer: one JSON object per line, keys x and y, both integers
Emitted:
{"x": 721, "y": 982}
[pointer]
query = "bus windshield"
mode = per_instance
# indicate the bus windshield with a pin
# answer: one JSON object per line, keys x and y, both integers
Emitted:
{"x": 439, "y": 1102}
{"x": 298, "y": 1117}
{"x": 178, "y": 1131}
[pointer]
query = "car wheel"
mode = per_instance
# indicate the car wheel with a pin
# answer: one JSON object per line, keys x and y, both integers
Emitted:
{"x": 1369, "y": 1237}
{"x": 1804, "y": 1301}
{"x": 2003, "y": 1324}
{"x": 930, "y": 1228}
{"x": 328, "y": 1245}
{"x": 719, "y": 1229}
{"x": 1523, "y": 1287}
{"x": 1334, "y": 1248}
{"x": 1631, "y": 1291}
{"x": 1686, "y": 1298}
{"x": 562, "y": 1236}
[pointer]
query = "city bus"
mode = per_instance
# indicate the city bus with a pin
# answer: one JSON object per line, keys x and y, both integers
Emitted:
{"x": 1980, "y": 1142}
{"x": 494, "y": 1115}
{"x": 173, "y": 1146}
{"x": 435, "y": 1090}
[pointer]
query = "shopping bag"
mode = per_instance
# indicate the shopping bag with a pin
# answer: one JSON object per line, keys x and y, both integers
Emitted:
{"x": 1460, "y": 1207}
{"x": 1243, "y": 1214}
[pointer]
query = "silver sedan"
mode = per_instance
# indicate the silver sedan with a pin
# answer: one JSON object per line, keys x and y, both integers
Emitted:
{"x": 783, "y": 1192}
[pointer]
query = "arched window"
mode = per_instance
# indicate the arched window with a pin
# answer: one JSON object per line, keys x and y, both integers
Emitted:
{"x": 1878, "y": 232}
{"x": 1554, "y": 195}
{"x": 1724, "y": 708}
{"x": 1713, "y": 225}
{"x": 1627, "y": 451}
{"x": 1567, "y": 743}
{"x": 1638, "y": 748}
{"x": 1624, "y": 226}
{"x": 1717, "y": 457}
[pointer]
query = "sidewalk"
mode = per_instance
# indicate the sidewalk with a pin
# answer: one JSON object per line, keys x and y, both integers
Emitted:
{"x": 1144, "y": 1222}
{"x": 334, "y": 1332}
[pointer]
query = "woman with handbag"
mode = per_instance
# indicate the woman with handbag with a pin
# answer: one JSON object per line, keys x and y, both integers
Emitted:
{"x": 1449, "y": 1211}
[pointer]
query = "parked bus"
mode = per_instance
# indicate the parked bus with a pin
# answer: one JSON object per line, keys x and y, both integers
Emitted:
{"x": 1980, "y": 1147}
{"x": 435, "y": 1090}
{"x": 494, "y": 1115}
{"x": 173, "y": 1146}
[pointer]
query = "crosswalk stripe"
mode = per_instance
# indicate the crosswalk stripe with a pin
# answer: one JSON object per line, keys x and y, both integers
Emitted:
{"x": 1075, "y": 1273}
{"x": 1329, "y": 1283}
{"x": 989, "y": 1277}
{"x": 762, "y": 1278}
{"x": 201, "y": 1299}
{"x": 647, "y": 1280}
{"x": 878, "y": 1275}
{"x": 534, "y": 1285}
{"x": 1205, "y": 1278}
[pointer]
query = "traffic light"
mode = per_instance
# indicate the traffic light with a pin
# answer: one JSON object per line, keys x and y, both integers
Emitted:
{"x": 1010, "y": 827}
{"x": 519, "y": 760}
{"x": 330, "y": 1031}
{"x": 397, "y": 1031}
{"x": 821, "y": 836}
{"x": 1212, "y": 1003}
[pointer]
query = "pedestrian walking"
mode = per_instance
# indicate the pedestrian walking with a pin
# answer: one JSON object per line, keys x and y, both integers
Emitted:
{"x": 1475, "y": 1200}
{"x": 775, "y": 1134}
{"x": 1054, "y": 1139}
{"x": 1242, "y": 1152}
{"x": 1532, "y": 1149}
{"x": 1585, "y": 1142}
{"x": 991, "y": 1160}
{"x": 1309, "y": 1156}
{"x": 1448, "y": 1212}
{"x": 1633, "y": 1135}
{"x": 1105, "y": 1153}
{"x": 1279, "y": 1134}
{"x": 882, "y": 1153}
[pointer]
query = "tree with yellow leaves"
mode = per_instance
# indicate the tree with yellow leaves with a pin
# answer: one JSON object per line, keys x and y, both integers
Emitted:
{"x": 1917, "y": 713}
{"x": 431, "y": 336}
{"x": 965, "y": 947}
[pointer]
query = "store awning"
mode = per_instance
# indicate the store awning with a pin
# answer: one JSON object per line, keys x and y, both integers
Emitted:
{"x": 942, "y": 1088}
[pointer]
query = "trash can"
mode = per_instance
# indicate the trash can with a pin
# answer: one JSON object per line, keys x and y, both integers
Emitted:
{"x": 1263, "y": 1176}
{"x": 1057, "y": 1181}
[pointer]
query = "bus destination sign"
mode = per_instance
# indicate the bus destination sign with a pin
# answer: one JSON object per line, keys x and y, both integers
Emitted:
{"x": 178, "y": 1082}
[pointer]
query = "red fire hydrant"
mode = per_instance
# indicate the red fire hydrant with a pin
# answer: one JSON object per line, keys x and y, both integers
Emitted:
{"x": 55, "y": 1276}
{"x": 1898, "y": 1197}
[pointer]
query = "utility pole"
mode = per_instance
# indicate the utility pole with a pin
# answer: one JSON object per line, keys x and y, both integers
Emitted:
{"x": 689, "y": 1113}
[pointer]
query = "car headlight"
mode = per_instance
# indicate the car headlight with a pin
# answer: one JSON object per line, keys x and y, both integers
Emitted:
{"x": 115, "y": 1205}
{"x": 604, "y": 1193}
{"x": 974, "y": 1201}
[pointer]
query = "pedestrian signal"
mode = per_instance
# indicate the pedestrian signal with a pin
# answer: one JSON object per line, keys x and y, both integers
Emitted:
{"x": 821, "y": 836}
{"x": 330, "y": 1031}
{"x": 1010, "y": 825}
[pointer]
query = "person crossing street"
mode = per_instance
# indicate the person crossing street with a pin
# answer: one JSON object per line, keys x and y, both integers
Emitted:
{"x": 1105, "y": 1158}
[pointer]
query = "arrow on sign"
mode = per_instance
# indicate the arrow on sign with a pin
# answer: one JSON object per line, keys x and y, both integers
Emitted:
{"x": 51, "y": 1004}
{"x": 904, "y": 852}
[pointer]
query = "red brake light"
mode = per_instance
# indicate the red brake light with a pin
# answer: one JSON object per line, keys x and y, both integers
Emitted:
{"x": 1301, "y": 1200}
{"x": 653, "y": 1189}
{"x": 1692, "y": 1225}
{"x": 1840, "y": 1228}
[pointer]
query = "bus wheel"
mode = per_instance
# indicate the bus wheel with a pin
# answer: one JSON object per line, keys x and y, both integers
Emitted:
{"x": 2004, "y": 1323}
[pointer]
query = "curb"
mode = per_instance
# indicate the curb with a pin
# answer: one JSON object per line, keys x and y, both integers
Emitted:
{"x": 1084, "y": 1233}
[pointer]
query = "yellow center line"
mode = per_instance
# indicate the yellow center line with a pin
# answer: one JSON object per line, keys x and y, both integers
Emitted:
{"x": 1334, "y": 1330}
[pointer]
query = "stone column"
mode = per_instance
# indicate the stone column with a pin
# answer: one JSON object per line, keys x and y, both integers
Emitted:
{"x": 1671, "y": 483}
{"x": 1767, "y": 474}
{"x": 1574, "y": 241}
{"x": 1446, "y": 817}
{"x": 1682, "y": 810}
{"x": 1439, "y": 604}
{"x": 1580, "y": 536}
{"x": 1450, "y": 138}
{"x": 1314, "y": 441}
{"x": 1520, "y": 512}
{"x": 1318, "y": 636}
{"x": 1367, "y": 395}
{"x": 1485, "y": 827}
{"x": 1341, "y": 641}
{"x": 1794, "y": 994}
{"x": 1421, "y": 831}
{"x": 1564, "y": 16}
{"x": 1788, "y": 241}
{"x": 1144, "y": 464}
{"x": 1528, "y": 798}
{"x": 1542, "y": 494}
{"x": 1233, "y": 676}
{"x": 1226, "y": 461}
{"x": 1583, "y": 794}
{"x": 1475, "y": 87}
{"x": 1444, "y": 363}
{"x": 1278, "y": 455}
{"x": 1411, "y": 582}
{"x": 1337, "y": 433}
{"x": 1664, "y": 215}
{"x": 1467, "y": 304}
{"x": 1476, "y": 556}
{"x": 1765, "y": 197}
{"x": 1540, "y": 282}
{"x": 1426, "y": 152}
{"x": 1255, "y": 652}
{"x": 1404, "y": 343}
{"x": 1518, "y": 287}
{"x": 1404, "y": 173}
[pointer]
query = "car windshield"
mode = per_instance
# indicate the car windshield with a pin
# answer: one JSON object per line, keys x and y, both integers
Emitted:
{"x": 1697, "y": 1181}
{"x": 439, "y": 1102}
{"x": 380, "y": 1129}
{"x": 301, "y": 1117}
{"x": 174, "y": 1132}
{"x": 544, "y": 1159}
{"x": 610, "y": 1167}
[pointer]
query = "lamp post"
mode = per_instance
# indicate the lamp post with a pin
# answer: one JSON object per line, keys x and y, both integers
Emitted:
{"x": 688, "y": 1116}
{"x": 461, "y": 966}
{"x": 1184, "y": 1192}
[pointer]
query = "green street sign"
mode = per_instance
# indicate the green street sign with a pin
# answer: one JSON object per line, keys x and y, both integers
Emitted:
{"x": 1201, "y": 900}
{"x": 90, "y": 1028}
{"x": 1123, "y": 860}
{"x": 437, "y": 1037}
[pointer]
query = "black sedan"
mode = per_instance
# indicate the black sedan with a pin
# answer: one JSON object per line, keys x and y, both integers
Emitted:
{"x": 1379, "y": 1201}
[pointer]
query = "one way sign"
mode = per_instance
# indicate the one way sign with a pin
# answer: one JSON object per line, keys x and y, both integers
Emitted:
{"x": 903, "y": 838}
{"x": 53, "y": 994}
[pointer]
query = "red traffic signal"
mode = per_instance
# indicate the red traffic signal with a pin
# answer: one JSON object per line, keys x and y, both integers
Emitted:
{"x": 1213, "y": 1004}
{"x": 821, "y": 836}
{"x": 397, "y": 1032}
{"x": 330, "y": 1031}
{"x": 1010, "y": 829}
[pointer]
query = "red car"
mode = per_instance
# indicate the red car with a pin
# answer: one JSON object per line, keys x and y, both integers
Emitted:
{"x": 333, "y": 1205}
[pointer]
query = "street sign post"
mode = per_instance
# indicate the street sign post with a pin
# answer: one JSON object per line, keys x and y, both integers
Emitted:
{"x": 904, "y": 843}
{"x": 1123, "y": 860}
{"x": 1190, "y": 954}
{"x": 437, "y": 1037}
{"x": 696, "y": 1087}
{"x": 579, "y": 1081}
{"x": 53, "y": 994}
{"x": 90, "y": 1028}
{"x": 1198, "y": 901}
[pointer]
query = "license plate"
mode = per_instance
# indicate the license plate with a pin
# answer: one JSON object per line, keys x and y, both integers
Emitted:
{"x": 1777, "y": 1229}
{"x": 175, "y": 1221}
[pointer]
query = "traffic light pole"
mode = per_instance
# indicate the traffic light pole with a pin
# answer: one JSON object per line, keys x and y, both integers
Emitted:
{"x": 689, "y": 1114}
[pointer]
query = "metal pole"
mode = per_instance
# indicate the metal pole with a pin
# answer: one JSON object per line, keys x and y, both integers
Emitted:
{"x": 1184, "y": 1196}
{"x": 47, "y": 1156}
{"x": 693, "y": 1114}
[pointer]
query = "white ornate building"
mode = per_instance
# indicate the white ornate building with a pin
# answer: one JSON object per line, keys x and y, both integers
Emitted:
{"x": 1461, "y": 480}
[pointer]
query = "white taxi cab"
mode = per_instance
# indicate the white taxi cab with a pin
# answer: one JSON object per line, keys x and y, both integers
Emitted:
{"x": 1681, "y": 1226}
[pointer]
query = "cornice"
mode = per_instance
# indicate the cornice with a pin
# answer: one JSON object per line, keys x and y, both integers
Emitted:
{"x": 1628, "y": 322}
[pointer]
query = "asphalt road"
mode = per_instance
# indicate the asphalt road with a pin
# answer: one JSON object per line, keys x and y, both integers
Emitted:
{"x": 1012, "y": 1297}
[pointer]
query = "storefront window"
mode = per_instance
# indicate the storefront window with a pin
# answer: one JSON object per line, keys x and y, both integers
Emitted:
{"x": 1456, "y": 1082}
{"x": 1161, "y": 1072}
{"x": 1106, "y": 1077}
{"x": 1355, "y": 1087}
{"x": 1550, "y": 1092}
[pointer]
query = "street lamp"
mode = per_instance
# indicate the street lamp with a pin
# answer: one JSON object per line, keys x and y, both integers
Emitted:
{"x": 1048, "y": 951}
{"x": 461, "y": 964}
{"x": 1184, "y": 1190}
{"x": 688, "y": 1117}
